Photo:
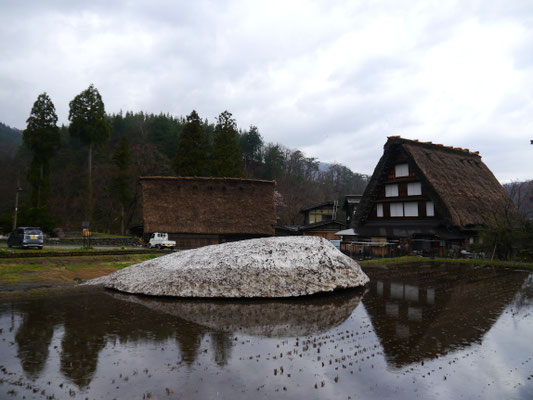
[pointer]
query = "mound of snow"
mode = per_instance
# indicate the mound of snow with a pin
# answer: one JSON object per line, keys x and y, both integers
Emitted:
{"x": 267, "y": 267}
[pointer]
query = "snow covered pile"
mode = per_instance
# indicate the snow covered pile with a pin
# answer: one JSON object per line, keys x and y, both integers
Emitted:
{"x": 267, "y": 267}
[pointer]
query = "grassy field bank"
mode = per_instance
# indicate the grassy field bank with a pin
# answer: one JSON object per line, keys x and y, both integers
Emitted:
{"x": 410, "y": 259}
{"x": 25, "y": 273}
{"x": 51, "y": 271}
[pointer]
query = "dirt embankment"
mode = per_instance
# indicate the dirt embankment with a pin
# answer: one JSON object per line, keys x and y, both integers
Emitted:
{"x": 29, "y": 273}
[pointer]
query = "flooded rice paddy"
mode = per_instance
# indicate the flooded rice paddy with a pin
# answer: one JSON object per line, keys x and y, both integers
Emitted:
{"x": 428, "y": 332}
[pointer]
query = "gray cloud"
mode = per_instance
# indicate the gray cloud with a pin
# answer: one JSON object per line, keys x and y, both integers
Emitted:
{"x": 331, "y": 78}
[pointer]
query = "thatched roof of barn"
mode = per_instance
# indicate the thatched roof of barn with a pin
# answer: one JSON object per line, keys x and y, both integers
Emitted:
{"x": 192, "y": 205}
{"x": 461, "y": 185}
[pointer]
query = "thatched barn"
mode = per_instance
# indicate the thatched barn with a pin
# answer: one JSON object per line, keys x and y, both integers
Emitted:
{"x": 428, "y": 197}
{"x": 201, "y": 211}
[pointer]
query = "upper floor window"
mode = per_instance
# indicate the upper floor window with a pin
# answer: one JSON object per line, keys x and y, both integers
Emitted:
{"x": 414, "y": 189}
{"x": 408, "y": 209}
{"x": 401, "y": 170}
{"x": 391, "y": 190}
{"x": 320, "y": 214}
{"x": 379, "y": 209}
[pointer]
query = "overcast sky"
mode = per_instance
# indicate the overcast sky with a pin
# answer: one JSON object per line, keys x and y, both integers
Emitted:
{"x": 332, "y": 78}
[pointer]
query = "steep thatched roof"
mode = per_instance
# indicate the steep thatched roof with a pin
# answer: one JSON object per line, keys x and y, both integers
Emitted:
{"x": 462, "y": 187}
{"x": 208, "y": 205}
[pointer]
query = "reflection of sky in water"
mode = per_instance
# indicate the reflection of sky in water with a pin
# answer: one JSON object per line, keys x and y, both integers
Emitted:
{"x": 169, "y": 357}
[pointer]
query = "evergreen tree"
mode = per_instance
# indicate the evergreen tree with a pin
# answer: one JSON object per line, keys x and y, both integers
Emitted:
{"x": 121, "y": 181}
{"x": 274, "y": 161}
{"x": 191, "y": 157}
{"x": 164, "y": 131}
{"x": 226, "y": 158}
{"x": 42, "y": 137}
{"x": 251, "y": 144}
{"x": 88, "y": 123}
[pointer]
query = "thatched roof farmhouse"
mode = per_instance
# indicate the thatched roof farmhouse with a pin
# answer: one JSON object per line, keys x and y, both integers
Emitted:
{"x": 430, "y": 193}
{"x": 198, "y": 211}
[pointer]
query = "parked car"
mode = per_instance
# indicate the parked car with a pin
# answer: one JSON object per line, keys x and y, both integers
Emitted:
{"x": 160, "y": 240}
{"x": 25, "y": 237}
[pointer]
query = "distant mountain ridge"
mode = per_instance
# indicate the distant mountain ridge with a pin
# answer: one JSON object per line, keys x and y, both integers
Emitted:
{"x": 10, "y": 140}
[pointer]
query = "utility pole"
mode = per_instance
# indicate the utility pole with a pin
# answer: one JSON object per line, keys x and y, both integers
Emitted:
{"x": 335, "y": 206}
{"x": 19, "y": 189}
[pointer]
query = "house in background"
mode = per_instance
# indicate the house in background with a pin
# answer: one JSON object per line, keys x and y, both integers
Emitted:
{"x": 427, "y": 197}
{"x": 351, "y": 202}
{"x": 321, "y": 220}
{"x": 197, "y": 212}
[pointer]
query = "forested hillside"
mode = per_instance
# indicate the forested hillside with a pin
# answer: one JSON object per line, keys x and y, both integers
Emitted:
{"x": 55, "y": 189}
{"x": 10, "y": 139}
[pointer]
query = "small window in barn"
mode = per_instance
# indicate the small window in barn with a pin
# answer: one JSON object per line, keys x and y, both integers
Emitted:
{"x": 414, "y": 189}
{"x": 379, "y": 209}
{"x": 401, "y": 170}
{"x": 396, "y": 209}
{"x": 411, "y": 209}
{"x": 430, "y": 209}
{"x": 391, "y": 190}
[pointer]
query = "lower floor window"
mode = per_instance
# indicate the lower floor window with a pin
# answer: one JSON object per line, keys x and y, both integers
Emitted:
{"x": 396, "y": 209}
{"x": 411, "y": 209}
{"x": 430, "y": 209}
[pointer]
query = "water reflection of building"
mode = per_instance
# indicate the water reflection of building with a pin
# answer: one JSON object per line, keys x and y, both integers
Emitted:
{"x": 421, "y": 313}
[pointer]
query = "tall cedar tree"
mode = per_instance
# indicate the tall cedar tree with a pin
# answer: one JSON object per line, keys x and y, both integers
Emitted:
{"x": 191, "y": 156}
{"x": 251, "y": 144}
{"x": 274, "y": 161}
{"x": 42, "y": 137}
{"x": 226, "y": 158}
{"x": 88, "y": 123}
{"x": 121, "y": 179}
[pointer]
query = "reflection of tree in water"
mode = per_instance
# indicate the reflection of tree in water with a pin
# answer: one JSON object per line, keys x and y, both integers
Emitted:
{"x": 34, "y": 336}
{"x": 83, "y": 339}
{"x": 189, "y": 338}
{"x": 222, "y": 344}
{"x": 422, "y": 312}
{"x": 523, "y": 301}
{"x": 93, "y": 319}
